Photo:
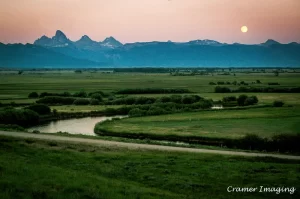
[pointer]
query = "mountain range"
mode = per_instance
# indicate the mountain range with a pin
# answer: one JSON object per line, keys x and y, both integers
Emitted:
{"x": 60, "y": 51}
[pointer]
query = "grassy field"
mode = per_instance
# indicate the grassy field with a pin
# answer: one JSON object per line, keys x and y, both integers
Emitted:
{"x": 16, "y": 86}
{"x": 264, "y": 122}
{"x": 47, "y": 169}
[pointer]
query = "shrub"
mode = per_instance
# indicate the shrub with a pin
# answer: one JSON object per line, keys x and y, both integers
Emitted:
{"x": 22, "y": 117}
{"x": 229, "y": 99}
{"x": 53, "y": 100}
{"x": 241, "y": 100}
{"x": 212, "y": 83}
{"x": 278, "y": 103}
{"x": 251, "y": 100}
{"x": 219, "y": 89}
{"x": 273, "y": 83}
{"x": 97, "y": 96}
{"x": 97, "y": 92}
{"x": 136, "y": 112}
{"x": 154, "y": 110}
{"x": 94, "y": 102}
{"x": 33, "y": 95}
{"x": 188, "y": 99}
{"x": 41, "y": 109}
{"x": 81, "y": 102}
{"x": 163, "y": 99}
{"x": 80, "y": 94}
{"x": 176, "y": 98}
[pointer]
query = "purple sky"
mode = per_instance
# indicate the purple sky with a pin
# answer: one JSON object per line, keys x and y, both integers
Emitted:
{"x": 23, "y": 21}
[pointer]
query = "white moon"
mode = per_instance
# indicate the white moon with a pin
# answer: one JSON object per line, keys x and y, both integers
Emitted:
{"x": 244, "y": 29}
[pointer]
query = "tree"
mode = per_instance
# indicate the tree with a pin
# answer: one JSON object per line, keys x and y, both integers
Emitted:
{"x": 241, "y": 100}
{"x": 251, "y": 101}
{"x": 41, "y": 109}
{"x": 97, "y": 96}
{"x": 33, "y": 95}
{"x": 94, "y": 102}
{"x": 276, "y": 73}
{"x": 81, "y": 102}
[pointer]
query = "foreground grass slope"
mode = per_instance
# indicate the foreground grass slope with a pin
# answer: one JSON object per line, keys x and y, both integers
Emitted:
{"x": 43, "y": 169}
{"x": 264, "y": 122}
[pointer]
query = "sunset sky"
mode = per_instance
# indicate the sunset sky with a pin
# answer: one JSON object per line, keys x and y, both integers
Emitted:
{"x": 23, "y": 21}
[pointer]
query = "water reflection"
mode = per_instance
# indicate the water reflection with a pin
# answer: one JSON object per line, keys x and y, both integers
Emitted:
{"x": 83, "y": 126}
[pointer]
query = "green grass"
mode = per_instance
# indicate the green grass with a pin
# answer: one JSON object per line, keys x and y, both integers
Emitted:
{"x": 46, "y": 169}
{"x": 264, "y": 122}
{"x": 12, "y": 85}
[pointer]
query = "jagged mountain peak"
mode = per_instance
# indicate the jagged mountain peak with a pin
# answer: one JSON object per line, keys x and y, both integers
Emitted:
{"x": 111, "y": 42}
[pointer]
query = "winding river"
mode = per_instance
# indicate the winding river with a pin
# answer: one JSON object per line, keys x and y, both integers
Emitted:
{"x": 83, "y": 126}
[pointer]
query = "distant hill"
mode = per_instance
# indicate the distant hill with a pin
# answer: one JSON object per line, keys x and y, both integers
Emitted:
{"x": 61, "y": 51}
{"x": 31, "y": 56}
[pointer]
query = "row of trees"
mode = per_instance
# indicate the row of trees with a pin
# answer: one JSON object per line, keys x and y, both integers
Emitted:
{"x": 81, "y": 94}
{"x": 152, "y": 91}
{"x": 219, "y": 89}
{"x": 242, "y": 100}
{"x": 22, "y": 117}
{"x": 158, "y": 108}
{"x": 54, "y": 100}
{"x": 186, "y": 99}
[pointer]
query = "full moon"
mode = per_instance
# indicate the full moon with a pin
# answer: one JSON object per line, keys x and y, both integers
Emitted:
{"x": 244, "y": 29}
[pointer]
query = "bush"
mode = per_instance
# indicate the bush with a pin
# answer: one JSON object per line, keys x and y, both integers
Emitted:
{"x": 212, "y": 83}
{"x": 97, "y": 96}
{"x": 46, "y": 94}
{"x": 97, "y": 92}
{"x": 241, "y": 100}
{"x": 22, "y": 117}
{"x": 229, "y": 99}
{"x": 278, "y": 103}
{"x": 152, "y": 91}
{"x": 273, "y": 83}
{"x": 251, "y": 100}
{"x": 219, "y": 89}
{"x": 81, "y": 102}
{"x": 80, "y": 94}
{"x": 154, "y": 110}
{"x": 176, "y": 98}
{"x": 136, "y": 112}
{"x": 53, "y": 100}
{"x": 41, "y": 109}
{"x": 94, "y": 102}
{"x": 33, "y": 95}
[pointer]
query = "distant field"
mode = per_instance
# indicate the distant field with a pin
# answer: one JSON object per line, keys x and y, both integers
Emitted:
{"x": 47, "y": 169}
{"x": 16, "y": 86}
{"x": 264, "y": 122}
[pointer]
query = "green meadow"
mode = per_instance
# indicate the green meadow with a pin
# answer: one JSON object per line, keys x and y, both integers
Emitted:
{"x": 45, "y": 169}
{"x": 264, "y": 122}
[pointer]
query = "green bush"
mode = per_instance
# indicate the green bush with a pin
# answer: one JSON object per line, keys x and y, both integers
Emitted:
{"x": 251, "y": 101}
{"x": 53, "y": 100}
{"x": 136, "y": 112}
{"x": 41, "y": 109}
{"x": 80, "y": 94}
{"x": 81, "y": 102}
{"x": 97, "y": 96}
{"x": 33, "y": 95}
{"x": 22, "y": 117}
{"x": 278, "y": 103}
{"x": 94, "y": 102}
{"x": 241, "y": 100}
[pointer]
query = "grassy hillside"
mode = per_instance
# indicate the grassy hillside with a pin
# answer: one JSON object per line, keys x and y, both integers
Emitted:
{"x": 46, "y": 169}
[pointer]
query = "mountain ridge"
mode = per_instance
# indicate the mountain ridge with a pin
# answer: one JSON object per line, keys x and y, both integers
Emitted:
{"x": 199, "y": 53}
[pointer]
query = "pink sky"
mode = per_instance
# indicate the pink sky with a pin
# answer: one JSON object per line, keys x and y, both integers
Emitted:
{"x": 23, "y": 21}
